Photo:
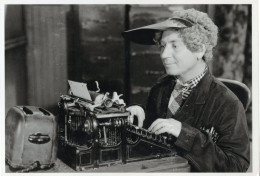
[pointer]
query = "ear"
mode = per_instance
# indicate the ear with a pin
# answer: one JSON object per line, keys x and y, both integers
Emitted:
{"x": 201, "y": 53}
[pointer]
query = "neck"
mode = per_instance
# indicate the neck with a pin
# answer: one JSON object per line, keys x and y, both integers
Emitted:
{"x": 193, "y": 72}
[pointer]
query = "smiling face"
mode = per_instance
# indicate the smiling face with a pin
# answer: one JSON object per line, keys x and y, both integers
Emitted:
{"x": 176, "y": 57}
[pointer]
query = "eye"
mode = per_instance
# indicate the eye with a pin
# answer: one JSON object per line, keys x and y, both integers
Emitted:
{"x": 174, "y": 46}
{"x": 161, "y": 46}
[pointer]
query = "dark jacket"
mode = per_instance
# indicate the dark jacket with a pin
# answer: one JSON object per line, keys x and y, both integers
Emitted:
{"x": 210, "y": 104}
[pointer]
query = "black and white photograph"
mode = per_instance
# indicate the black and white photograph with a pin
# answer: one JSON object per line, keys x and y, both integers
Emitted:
{"x": 130, "y": 88}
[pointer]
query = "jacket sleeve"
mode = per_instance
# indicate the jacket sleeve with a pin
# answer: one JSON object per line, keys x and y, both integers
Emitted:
{"x": 151, "y": 113}
{"x": 230, "y": 153}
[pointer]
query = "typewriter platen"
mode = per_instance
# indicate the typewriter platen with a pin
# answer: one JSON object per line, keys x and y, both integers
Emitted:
{"x": 95, "y": 131}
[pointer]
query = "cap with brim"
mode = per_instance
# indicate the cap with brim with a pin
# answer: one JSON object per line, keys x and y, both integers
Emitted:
{"x": 144, "y": 35}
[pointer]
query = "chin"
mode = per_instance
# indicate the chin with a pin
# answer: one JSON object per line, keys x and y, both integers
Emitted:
{"x": 172, "y": 72}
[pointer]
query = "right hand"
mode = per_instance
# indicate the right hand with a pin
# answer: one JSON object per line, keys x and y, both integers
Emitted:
{"x": 138, "y": 112}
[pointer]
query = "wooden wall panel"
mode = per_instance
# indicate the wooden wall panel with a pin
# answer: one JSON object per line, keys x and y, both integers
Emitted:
{"x": 145, "y": 62}
{"x": 102, "y": 45}
{"x": 14, "y": 23}
{"x": 15, "y": 67}
{"x": 15, "y": 78}
{"x": 46, "y": 54}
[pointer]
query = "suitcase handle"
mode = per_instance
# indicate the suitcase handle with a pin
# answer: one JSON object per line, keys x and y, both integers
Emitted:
{"x": 39, "y": 138}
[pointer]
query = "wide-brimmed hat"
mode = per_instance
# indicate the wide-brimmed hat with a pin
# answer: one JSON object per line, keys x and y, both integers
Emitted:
{"x": 144, "y": 35}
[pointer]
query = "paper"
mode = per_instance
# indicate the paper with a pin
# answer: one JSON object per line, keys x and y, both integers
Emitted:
{"x": 79, "y": 89}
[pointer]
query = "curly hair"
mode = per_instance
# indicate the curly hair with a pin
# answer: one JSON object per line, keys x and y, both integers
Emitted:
{"x": 204, "y": 31}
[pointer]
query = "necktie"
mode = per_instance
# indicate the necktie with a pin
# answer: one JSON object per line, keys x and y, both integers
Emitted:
{"x": 177, "y": 99}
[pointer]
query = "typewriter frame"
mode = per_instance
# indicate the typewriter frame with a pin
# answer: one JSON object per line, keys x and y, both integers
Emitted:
{"x": 92, "y": 137}
{"x": 83, "y": 141}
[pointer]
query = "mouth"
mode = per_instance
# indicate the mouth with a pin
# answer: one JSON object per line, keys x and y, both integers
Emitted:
{"x": 169, "y": 61}
{"x": 169, "y": 64}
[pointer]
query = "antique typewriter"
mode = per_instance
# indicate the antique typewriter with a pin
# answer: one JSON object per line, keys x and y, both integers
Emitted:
{"x": 95, "y": 130}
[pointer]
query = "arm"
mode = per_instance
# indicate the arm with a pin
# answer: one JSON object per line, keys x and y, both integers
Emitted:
{"x": 229, "y": 153}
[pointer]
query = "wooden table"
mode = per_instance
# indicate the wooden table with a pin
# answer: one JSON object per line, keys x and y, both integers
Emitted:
{"x": 169, "y": 164}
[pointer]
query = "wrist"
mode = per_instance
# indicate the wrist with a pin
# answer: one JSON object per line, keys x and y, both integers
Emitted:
{"x": 178, "y": 129}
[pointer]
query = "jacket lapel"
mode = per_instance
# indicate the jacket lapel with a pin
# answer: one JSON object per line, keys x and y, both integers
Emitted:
{"x": 166, "y": 93}
{"x": 189, "y": 112}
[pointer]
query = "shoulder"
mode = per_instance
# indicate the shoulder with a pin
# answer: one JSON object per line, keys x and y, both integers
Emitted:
{"x": 225, "y": 107}
{"x": 222, "y": 93}
{"x": 163, "y": 83}
{"x": 164, "y": 79}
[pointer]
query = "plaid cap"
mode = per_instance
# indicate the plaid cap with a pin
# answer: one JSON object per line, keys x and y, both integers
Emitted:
{"x": 144, "y": 35}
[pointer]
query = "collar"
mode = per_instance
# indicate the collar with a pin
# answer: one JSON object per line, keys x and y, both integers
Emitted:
{"x": 199, "y": 92}
{"x": 188, "y": 86}
{"x": 194, "y": 81}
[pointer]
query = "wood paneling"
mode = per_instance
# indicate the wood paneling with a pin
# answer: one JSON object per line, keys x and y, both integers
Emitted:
{"x": 14, "y": 22}
{"x": 145, "y": 62}
{"x": 102, "y": 45}
{"x": 15, "y": 67}
{"x": 46, "y": 54}
{"x": 15, "y": 78}
{"x": 15, "y": 42}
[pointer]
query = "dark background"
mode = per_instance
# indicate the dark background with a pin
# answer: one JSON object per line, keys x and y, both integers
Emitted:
{"x": 45, "y": 45}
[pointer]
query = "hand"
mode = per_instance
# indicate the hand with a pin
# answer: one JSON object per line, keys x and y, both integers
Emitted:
{"x": 138, "y": 112}
{"x": 170, "y": 126}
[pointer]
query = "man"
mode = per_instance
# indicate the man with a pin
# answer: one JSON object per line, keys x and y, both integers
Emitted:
{"x": 206, "y": 118}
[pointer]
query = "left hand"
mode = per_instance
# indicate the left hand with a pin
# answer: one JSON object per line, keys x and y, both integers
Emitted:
{"x": 170, "y": 126}
{"x": 138, "y": 112}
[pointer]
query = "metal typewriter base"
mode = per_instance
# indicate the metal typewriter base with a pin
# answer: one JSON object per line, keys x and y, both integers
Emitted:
{"x": 80, "y": 158}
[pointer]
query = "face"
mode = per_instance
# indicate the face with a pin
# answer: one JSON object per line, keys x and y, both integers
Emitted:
{"x": 176, "y": 57}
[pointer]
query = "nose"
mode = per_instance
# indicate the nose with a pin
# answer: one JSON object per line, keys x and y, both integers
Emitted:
{"x": 165, "y": 52}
